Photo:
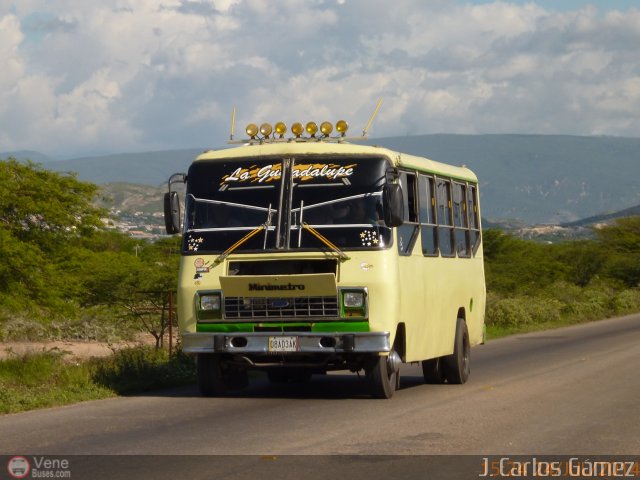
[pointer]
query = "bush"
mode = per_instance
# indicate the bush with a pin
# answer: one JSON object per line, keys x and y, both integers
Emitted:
{"x": 143, "y": 368}
{"x": 522, "y": 313}
{"x": 45, "y": 379}
{"x": 626, "y": 301}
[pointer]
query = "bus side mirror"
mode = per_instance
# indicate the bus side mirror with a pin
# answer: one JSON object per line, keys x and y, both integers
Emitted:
{"x": 393, "y": 205}
{"x": 172, "y": 212}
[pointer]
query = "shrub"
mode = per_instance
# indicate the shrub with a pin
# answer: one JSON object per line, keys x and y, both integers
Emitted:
{"x": 522, "y": 313}
{"x": 140, "y": 369}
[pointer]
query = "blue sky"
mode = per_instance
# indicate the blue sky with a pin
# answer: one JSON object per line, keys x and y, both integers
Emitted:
{"x": 84, "y": 77}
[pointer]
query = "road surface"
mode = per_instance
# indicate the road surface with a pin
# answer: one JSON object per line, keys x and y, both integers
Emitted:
{"x": 569, "y": 391}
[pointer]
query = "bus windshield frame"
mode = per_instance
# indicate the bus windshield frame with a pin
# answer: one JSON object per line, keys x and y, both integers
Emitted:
{"x": 338, "y": 196}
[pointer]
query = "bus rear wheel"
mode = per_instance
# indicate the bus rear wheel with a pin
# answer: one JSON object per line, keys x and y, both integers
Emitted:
{"x": 457, "y": 366}
{"x": 433, "y": 371}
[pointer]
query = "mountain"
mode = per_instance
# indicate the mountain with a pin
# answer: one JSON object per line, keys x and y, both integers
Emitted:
{"x": 540, "y": 178}
{"x": 24, "y": 155}
{"x": 605, "y": 218}
{"x": 147, "y": 168}
{"x": 524, "y": 178}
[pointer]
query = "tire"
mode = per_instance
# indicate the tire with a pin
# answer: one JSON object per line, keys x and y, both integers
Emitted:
{"x": 209, "y": 371}
{"x": 457, "y": 366}
{"x": 433, "y": 371}
{"x": 382, "y": 380}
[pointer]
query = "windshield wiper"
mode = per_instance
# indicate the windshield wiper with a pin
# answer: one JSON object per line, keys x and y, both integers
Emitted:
{"x": 265, "y": 226}
{"x": 230, "y": 250}
{"x": 326, "y": 241}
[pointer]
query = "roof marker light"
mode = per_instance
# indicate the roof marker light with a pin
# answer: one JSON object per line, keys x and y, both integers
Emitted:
{"x": 281, "y": 129}
{"x": 312, "y": 128}
{"x": 342, "y": 126}
{"x": 252, "y": 130}
{"x": 266, "y": 129}
{"x": 297, "y": 129}
{"x": 326, "y": 128}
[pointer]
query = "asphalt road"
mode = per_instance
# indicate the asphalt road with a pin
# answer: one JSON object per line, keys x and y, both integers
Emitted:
{"x": 571, "y": 391}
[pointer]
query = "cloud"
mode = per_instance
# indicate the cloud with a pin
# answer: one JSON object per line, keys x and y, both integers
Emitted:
{"x": 89, "y": 77}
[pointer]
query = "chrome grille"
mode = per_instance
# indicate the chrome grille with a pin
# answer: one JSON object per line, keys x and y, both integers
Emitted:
{"x": 277, "y": 308}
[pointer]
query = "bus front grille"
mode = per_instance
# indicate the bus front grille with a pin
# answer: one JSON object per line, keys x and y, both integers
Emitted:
{"x": 279, "y": 308}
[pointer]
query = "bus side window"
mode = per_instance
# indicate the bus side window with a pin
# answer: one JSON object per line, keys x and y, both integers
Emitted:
{"x": 408, "y": 231}
{"x": 460, "y": 221}
{"x": 428, "y": 227}
{"x": 474, "y": 220}
{"x": 445, "y": 222}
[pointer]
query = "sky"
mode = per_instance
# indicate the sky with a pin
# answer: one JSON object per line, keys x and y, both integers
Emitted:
{"x": 88, "y": 77}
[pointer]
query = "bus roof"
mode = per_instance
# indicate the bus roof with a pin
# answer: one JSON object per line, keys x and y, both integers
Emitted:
{"x": 398, "y": 159}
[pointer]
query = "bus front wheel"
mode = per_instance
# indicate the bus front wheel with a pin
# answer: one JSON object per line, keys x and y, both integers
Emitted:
{"x": 209, "y": 371}
{"x": 382, "y": 376}
{"x": 457, "y": 366}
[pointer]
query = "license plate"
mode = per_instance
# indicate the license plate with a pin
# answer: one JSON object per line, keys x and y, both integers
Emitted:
{"x": 284, "y": 344}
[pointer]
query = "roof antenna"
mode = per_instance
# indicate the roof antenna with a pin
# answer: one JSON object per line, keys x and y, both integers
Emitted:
{"x": 375, "y": 112}
{"x": 233, "y": 123}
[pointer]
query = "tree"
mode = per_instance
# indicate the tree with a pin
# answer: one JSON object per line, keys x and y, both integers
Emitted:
{"x": 622, "y": 242}
{"x": 42, "y": 215}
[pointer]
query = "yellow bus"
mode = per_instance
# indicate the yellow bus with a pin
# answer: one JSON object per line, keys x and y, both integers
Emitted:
{"x": 310, "y": 254}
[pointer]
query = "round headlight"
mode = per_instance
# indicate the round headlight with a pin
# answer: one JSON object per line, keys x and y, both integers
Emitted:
{"x": 265, "y": 129}
{"x": 252, "y": 130}
{"x": 297, "y": 129}
{"x": 326, "y": 128}
{"x": 312, "y": 128}
{"x": 342, "y": 126}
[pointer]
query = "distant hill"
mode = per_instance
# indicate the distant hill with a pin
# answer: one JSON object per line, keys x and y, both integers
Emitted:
{"x": 605, "y": 218}
{"x": 147, "y": 168}
{"x": 524, "y": 178}
{"x": 131, "y": 198}
{"x": 24, "y": 155}
{"x": 540, "y": 178}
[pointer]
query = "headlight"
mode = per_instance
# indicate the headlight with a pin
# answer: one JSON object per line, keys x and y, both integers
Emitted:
{"x": 353, "y": 303}
{"x": 208, "y": 306}
{"x": 210, "y": 302}
{"x": 353, "y": 299}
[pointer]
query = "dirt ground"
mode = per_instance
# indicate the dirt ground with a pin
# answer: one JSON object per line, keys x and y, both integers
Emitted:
{"x": 75, "y": 349}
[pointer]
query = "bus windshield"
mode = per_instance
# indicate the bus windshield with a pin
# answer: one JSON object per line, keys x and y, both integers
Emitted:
{"x": 340, "y": 197}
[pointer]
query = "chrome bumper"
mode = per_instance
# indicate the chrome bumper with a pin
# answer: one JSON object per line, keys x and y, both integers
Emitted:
{"x": 308, "y": 342}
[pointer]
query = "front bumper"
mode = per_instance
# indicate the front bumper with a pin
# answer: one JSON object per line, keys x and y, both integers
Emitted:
{"x": 308, "y": 342}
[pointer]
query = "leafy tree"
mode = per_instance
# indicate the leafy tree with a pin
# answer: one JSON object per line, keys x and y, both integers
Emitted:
{"x": 622, "y": 242}
{"x": 583, "y": 259}
{"x": 45, "y": 207}
{"x": 518, "y": 266}
{"x": 42, "y": 215}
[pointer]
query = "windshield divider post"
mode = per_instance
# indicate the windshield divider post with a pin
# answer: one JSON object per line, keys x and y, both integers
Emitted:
{"x": 267, "y": 225}
{"x": 301, "y": 222}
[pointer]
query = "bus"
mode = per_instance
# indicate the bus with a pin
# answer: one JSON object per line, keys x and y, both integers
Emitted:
{"x": 308, "y": 254}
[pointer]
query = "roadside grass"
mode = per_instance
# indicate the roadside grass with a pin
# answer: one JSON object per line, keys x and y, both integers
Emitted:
{"x": 48, "y": 379}
{"x": 560, "y": 305}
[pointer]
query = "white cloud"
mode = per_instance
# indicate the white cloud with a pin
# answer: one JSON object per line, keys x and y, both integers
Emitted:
{"x": 83, "y": 77}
